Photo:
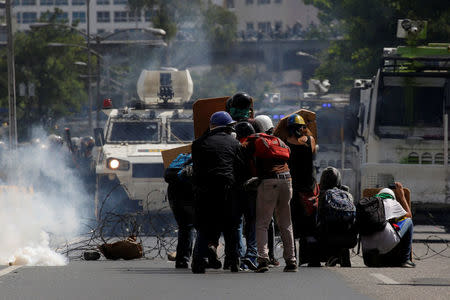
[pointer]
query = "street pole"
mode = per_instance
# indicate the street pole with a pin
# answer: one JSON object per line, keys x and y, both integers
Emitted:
{"x": 11, "y": 81}
{"x": 97, "y": 103}
{"x": 88, "y": 39}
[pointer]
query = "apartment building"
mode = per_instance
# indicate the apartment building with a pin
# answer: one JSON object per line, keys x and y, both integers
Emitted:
{"x": 105, "y": 15}
{"x": 267, "y": 15}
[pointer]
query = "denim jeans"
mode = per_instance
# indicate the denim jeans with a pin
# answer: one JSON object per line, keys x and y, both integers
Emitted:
{"x": 248, "y": 249}
{"x": 406, "y": 237}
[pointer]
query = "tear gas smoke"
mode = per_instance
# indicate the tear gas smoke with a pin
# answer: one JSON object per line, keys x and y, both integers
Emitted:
{"x": 41, "y": 204}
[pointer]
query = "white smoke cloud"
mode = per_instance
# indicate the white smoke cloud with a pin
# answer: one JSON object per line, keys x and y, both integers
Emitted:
{"x": 41, "y": 204}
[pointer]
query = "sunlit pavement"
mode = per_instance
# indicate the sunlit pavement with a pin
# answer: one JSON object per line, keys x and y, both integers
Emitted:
{"x": 158, "y": 279}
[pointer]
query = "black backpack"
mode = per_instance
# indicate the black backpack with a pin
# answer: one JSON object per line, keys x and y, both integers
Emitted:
{"x": 370, "y": 216}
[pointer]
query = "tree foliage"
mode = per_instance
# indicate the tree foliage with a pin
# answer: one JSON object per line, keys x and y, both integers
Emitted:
{"x": 368, "y": 26}
{"x": 58, "y": 89}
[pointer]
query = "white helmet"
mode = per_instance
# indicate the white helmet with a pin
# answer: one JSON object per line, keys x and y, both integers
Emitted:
{"x": 264, "y": 122}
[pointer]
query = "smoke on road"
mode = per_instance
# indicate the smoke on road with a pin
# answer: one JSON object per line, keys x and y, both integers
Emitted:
{"x": 41, "y": 204}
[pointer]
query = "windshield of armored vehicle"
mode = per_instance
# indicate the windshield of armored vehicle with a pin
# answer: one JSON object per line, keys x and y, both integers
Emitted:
{"x": 181, "y": 131}
{"x": 132, "y": 131}
{"x": 402, "y": 107}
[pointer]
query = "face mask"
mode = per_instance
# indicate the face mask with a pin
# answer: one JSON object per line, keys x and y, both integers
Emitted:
{"x": 233, "y": 134}
{"x": 239, "y": 113}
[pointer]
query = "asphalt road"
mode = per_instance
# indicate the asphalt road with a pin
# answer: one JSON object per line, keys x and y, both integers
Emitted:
{"x": 157, "y": 279}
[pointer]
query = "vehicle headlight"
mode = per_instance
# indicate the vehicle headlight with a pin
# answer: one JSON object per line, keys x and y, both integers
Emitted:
{"x": 117, "y": 164}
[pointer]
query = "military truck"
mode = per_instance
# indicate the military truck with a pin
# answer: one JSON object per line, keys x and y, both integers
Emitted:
{"x": 398, "y": 121}
{"x": 129, "y": 166}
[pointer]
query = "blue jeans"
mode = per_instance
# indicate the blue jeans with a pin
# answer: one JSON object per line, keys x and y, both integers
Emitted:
{"x": 249, "y": 250}
{"x": 406, "y": 236}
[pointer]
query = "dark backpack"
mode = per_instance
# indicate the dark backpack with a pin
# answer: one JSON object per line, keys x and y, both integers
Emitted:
{"x": 269, "y": 146}
{"x": 370, "y": 216}
{"x": 337, "y": 213}
{"x": 174, "y": 173}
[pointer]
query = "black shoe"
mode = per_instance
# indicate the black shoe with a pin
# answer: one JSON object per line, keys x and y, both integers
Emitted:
{"x": 213, "y": 259}
{"x": 249, "y": 263}
{"x": 273, "y": 262}
{"x": 408, "y": 264}
{"x": 226, "y": 264}
{"x": 290, "y": 267}
{"x": 234, "y": 268}
{"x": 198, "y": 267}
{"x": 263, "y": 266}
{"x": 332, "y": 261}
{"x": 181, "y": 265}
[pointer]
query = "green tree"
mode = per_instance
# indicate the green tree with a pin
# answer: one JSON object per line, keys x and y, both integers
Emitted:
{"x": 58, "y": 89}
{"x": 367, "y": 27}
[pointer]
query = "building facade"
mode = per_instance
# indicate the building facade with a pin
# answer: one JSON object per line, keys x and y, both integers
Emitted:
{"x": 271, "y": 15}
{"x": 105, "y": 15}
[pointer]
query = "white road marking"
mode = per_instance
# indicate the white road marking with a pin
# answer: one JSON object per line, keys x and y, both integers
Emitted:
{"x": 384, "y": 278}
{"x": 8, "y": 270}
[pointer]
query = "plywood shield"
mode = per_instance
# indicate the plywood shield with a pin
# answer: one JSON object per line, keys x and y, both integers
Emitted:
{"x": 369, "y": 192}
{"x": 203, "y": 109}
{"x": 310, "y": 119}
{"x": 169, "y": 155}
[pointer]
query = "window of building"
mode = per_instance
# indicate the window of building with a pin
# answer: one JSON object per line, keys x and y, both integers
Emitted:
{"x": 104, "y": 2}
{"x": 78, "y": 2}
{"x": 264, "y": 26}
{"x": 120, "y": 1}
{"x": 278, "y": 26}
{"x": 230, "y": 3}
{"x": 250, "y": 26}
{"x": 248, "y": 2}
{"x": 120, "y": 16}
{"x": 61, "y": 2}
{"x": 29, "y": 17}
{"x": 278, "y": 1}
{"x": 99, "y": 31}
{"x": 79, "y": 16}
{"x": 16, "y": 3}
{"x": 263, "y": 1}
{"x": 18, "y": 17}
{"x": 45, "y": 16}
{"x": 148, "y": 15}
{"x": 103, "y": 17}
{"x": 62, "y": 17}
{"x": 29, "y": 2}
{"x": 134, "y": 16}
{"x": 47, "y": 2}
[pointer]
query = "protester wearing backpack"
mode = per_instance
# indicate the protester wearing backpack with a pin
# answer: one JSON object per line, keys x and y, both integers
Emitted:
{"x": 274, "y": 194}
{"x": 336, "y": 219}
{"x": 181, "y": 200}
{"x": 386, "y": 229}
{"x": 306, "y": 190}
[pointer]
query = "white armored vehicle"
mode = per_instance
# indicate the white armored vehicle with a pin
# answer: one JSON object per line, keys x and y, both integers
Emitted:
{"x": 129, "y": 167}
{"x": 400, "y": 122}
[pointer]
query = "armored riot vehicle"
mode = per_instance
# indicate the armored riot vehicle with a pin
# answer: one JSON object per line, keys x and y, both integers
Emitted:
{"x": 129, "y": 166}
{"x": 399, "y": 120}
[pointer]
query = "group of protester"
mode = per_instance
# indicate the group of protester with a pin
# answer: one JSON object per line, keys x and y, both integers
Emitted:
{"x": 239, "y": 178}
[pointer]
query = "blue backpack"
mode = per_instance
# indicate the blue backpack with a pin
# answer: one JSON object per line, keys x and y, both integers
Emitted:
{"x": 337, "y": 213}
{"x": 179, "y": 169}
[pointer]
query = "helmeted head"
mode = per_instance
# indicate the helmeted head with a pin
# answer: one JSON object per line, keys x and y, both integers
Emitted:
{"x": 220, "y": 119}
{"x": 264, "y": 123}
{"x": 55, "y": 140}
{"x": 239, "y": 106}
{"x": 243, "y": 129}
{"x": 296, "y": 125}
{"x": 330, "y": 178}
{"x": 387, "y": 191}
{"x": 75, "y": 143}
{"x": 87, "y": 143}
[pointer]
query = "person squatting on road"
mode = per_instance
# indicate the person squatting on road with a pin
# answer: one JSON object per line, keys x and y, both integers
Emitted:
{"x": 181, "y": 200}
{"x": 305, "y": 189}
{"x": 274, "y": 194}
{"x": 391, "y": 245}
{"x": 217, "y": 162}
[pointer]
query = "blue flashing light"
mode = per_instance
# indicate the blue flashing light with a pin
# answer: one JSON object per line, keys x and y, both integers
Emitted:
{"x": 324, "y": 105}
{"x": 275, "y": 117}
{"x": 329, "y": 104}
{"x": 281, "y": 116}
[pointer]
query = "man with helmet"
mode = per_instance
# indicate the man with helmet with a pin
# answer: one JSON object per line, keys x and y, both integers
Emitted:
{"x": 217, "y": 163}
{"x": 239, "y": 106}
{"x": 305, "y": 189}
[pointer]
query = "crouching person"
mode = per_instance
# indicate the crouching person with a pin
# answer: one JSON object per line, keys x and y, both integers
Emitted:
{"x": 181, "y": 199}
{"x": 386, "y": 237}
{"x": 217, "y": 162}
{"x": 336, "y": 219}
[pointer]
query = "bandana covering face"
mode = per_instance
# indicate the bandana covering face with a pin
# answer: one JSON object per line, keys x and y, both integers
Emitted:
{"x": 239, "y": 113}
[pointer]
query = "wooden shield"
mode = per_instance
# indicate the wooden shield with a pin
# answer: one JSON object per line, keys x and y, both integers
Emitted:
{"x": 203, "y": 109}
{"x": 169, "y": 155}
{"x": 369, "y": 192}
{"x": 310, "y": 119}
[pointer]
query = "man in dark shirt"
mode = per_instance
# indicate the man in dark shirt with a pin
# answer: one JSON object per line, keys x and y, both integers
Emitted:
{"x": 217, "y": 162}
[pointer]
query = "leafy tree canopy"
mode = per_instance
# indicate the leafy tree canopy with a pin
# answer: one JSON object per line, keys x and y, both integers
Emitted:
{"x": 49, "y": 71}
{"x": 368, "y": 26}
